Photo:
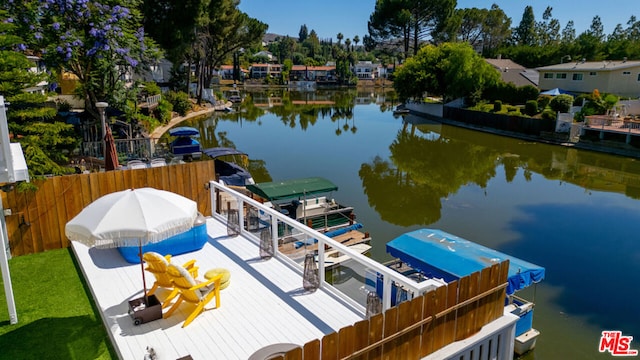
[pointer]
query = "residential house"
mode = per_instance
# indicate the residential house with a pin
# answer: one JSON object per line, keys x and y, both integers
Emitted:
{"x": 261, "y": 71}
{"x": 159, "y": 72}
{"x": 320, "y": 74}
{"x": 226, "y": 72}
{"x": 512, "y": 72}
{"x": 264, "y": 54}
{"x": 620, "y": 77}
{"x": 37, "y": 67}
{"x": 365, "y": 70}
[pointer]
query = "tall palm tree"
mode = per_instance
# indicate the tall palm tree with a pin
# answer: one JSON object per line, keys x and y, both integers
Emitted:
{"x": 347, "y": 43}
{"x": 340, "y": 37}
{"x": 356, "y": 40}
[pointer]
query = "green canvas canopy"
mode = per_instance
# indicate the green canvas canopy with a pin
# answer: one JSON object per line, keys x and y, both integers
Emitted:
{"x": 280, "y": 190}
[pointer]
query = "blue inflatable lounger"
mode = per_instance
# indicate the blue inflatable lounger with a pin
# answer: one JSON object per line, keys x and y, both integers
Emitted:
{"x": 188, "y": 241}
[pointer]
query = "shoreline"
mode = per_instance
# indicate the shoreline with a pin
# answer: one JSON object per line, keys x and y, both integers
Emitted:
{"x": 160, "y": 130}
{"x": 632, "y": 153}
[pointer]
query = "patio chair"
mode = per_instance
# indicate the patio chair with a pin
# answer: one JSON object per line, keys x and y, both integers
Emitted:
{"x": 192, "y": 291}
{"x": 158, "y": 265}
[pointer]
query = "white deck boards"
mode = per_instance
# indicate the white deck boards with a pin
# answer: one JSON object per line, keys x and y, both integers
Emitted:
{"x": 263, "y": 305}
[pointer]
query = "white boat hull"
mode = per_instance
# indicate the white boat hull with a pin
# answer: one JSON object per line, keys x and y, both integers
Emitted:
{"x": 526, "y": 341}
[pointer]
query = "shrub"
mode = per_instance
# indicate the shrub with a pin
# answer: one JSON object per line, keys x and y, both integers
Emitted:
{"x": 549, "y": 114}
{"x": 180, "y": 102}
{"x": 497, "y": 106}
{"x": 163, "y": 111}
{"x": 152, "y": 88}
{"x": 561, "y": 103}
{"x": 531, "y": 107}
{"x": 526, "y": 93}
{"x": 64, "y": 106}
{"x": 543, "y": 101}
{"x": 581, "y": 99}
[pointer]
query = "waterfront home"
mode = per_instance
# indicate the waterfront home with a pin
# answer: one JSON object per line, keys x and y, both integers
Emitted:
{"x": 512, "y": 72}
{"x": 619, "y": 77}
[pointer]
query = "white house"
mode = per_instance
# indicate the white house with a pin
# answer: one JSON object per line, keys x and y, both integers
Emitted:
{"x": 365, "y": 70}
{"x": 620, "y": 77}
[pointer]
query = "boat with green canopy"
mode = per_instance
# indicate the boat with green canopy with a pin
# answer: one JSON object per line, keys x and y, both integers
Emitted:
{"x": 307, "y": 200}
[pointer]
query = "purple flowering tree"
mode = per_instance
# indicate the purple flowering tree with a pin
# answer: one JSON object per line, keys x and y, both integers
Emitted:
{"x": 102, "y": 43}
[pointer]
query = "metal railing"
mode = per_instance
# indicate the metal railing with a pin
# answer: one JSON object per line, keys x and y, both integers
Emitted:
{"x": 281, "y": 225}
{"x": 612, "y": 123}
{"x": 153, "y": 100}
{"x": 130, "y": 148}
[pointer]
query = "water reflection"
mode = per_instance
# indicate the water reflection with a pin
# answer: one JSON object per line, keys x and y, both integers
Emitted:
{"x": 574, "y": 212}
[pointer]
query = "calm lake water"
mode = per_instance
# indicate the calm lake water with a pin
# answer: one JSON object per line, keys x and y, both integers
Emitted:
{"x": 577, "y": 213}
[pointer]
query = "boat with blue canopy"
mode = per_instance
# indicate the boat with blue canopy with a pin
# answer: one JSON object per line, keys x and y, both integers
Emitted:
{"x": 185, "y": 144}
{"x": 432, "y": 253}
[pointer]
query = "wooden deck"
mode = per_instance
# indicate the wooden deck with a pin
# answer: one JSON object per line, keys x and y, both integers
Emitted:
{"x": 263, "y": 305}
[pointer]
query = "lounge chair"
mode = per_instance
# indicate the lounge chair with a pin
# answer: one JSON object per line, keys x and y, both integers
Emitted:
{"x": 136, "y": 164}
{"x": 158, "y": 265}
{"x": 192, "y": 291}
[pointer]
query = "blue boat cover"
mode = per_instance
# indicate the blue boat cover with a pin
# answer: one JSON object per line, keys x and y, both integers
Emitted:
{"x": 184, "y": 131}
{"x": 444, "y": 255}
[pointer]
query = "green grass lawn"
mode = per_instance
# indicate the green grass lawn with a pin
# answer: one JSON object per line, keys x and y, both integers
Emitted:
{"x": 56, "y": 317}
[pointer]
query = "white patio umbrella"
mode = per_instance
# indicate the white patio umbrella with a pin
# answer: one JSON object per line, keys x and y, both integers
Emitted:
{"x": 133, "y": 217}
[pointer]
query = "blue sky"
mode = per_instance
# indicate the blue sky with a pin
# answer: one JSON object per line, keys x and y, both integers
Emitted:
{"x": 329, "y": 17}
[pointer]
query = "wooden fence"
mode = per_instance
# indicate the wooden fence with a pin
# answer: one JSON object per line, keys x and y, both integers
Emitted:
{"x": 38, "y": 219}
{"x": 417, "y": 328}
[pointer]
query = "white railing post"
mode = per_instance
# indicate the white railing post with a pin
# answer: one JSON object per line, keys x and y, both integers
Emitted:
{"x": 274, "y": 233}
{"x": 386, "y": 293}
{"x": 321, "y": 271}
{"x": 240, "y": 214}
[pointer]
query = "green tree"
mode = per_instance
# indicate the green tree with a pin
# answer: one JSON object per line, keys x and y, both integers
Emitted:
{"x": 471, "y": 25}
{"x": 589, "y": 44}
{"x": 303, "y": 33}
{"x": 451, "y": 70}
{"x": 172, "y": 24}
{"x": 496, "y": 29}
{"x": 568, "y": 33}
{"x": 548, "y": 30}
{"x": 339, "y": 37}
{"x": 98, "y": 42}
{"x": 225, "y": 31}
{"x": 525, "y": 33}
{"x": 45, "y": 141}
{"x": 413, "y": 21}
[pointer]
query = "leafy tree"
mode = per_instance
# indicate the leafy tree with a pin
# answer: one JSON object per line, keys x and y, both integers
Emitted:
{"x": 356, "y": 40}
{"x": 548, "y": 30}
{"x": 568, "y": 33}
{"x": 225, "y": 31}
{"x": 452, "y": 70}
{"x": 413, "y": 21}
{"x": 98, "y": 42}
{"x": 303, "y": 34}
{"x": 45, "y": 141}
{"x": 496, "y": 29}
{"x": 471, "y": 25}
{"x": 590, "y": 44}
{"x": 525, "y": 33}
{"x": 312, "y": 44}
{"x": 171, "y": 24}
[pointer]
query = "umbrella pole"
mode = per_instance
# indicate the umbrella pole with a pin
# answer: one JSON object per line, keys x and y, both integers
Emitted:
{"x": 144, "y": 281}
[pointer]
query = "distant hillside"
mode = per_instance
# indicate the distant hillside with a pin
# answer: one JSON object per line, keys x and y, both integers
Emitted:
{"x": 271, "y": 37}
